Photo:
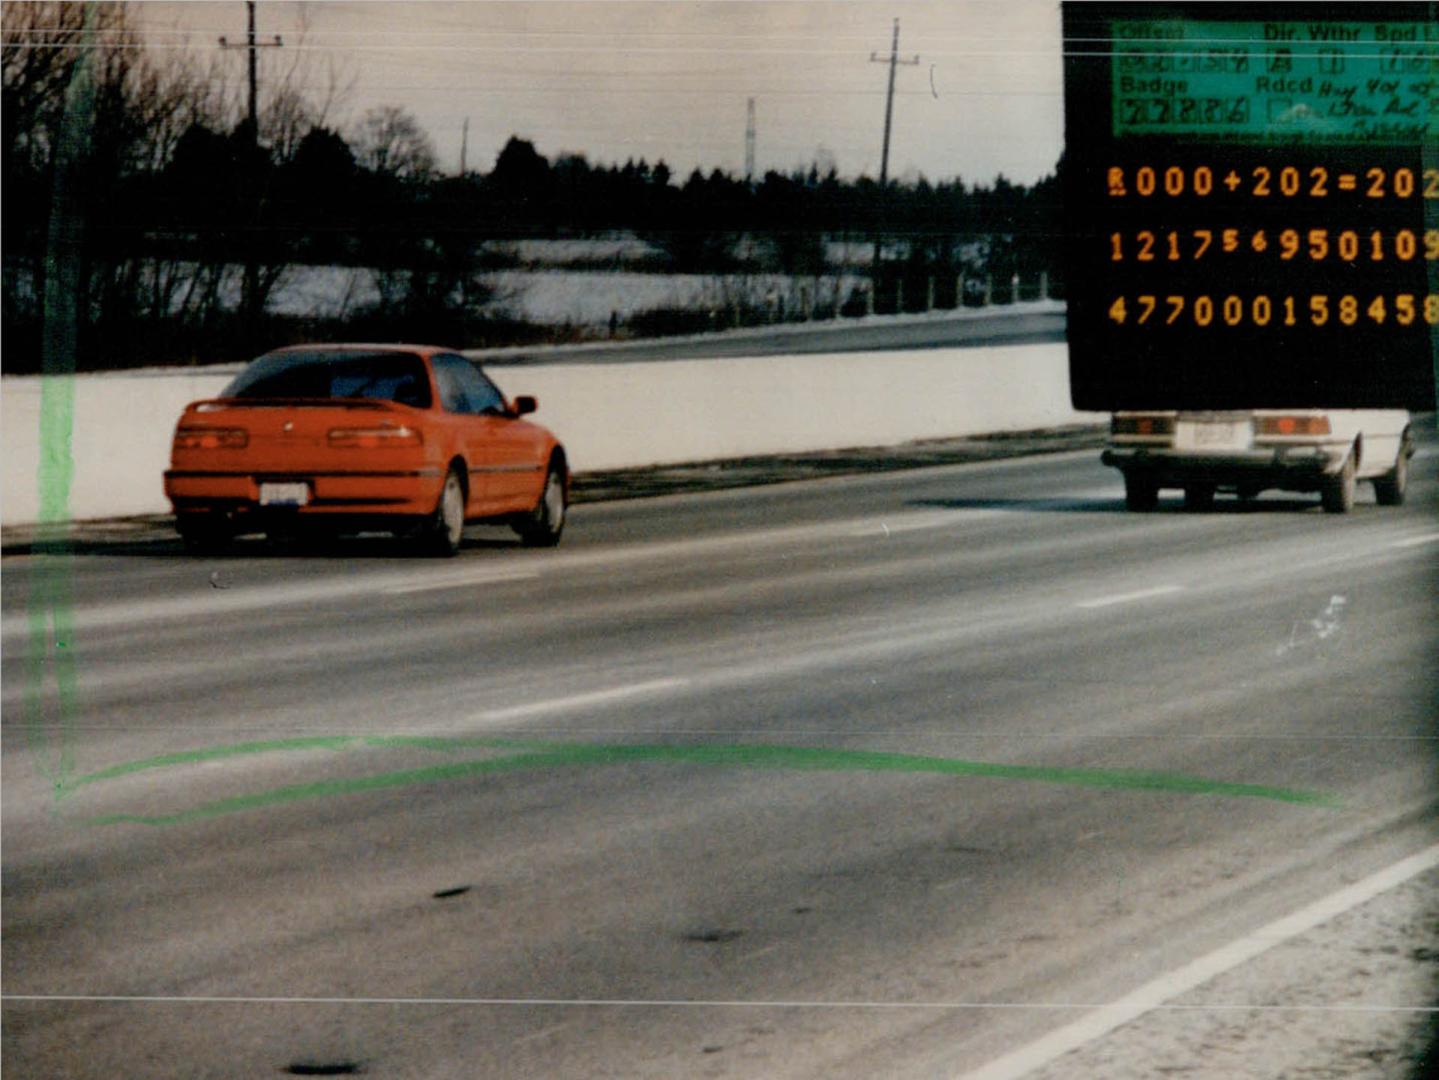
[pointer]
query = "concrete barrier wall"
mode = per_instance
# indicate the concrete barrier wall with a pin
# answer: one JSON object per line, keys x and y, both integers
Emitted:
{"x": 608, "y": 415}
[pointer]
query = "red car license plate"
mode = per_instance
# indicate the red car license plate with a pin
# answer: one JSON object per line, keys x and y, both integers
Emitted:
{"x": 286, "y": 494}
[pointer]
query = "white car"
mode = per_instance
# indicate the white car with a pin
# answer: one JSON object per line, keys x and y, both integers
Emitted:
{"x": 1323, "y": 450}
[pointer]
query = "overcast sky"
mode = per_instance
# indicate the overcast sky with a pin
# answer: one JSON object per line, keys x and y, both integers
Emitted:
{"x": 671, "y": 80}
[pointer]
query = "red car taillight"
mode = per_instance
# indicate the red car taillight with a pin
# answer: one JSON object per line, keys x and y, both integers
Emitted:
{"x": 211, "y": 438}
{"x": 375, "y": 438}
{"x": 1292, "y": 425}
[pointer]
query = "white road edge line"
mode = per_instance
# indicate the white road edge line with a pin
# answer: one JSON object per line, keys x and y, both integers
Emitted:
{"x": 1125, "y": 598}
{"x": 596, "y": 697}
{"x": 474, "y": 577}
{"x": 1157, "y": 993}
{"x": 1415, "y": 541}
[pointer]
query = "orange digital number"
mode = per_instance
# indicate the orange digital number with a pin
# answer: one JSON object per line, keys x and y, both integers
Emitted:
{"x": 1288, "y": 244}
{"x": 1147, "y": 305}
{"x": 1431, "y": 309}
{"x": 1261, "y": 182}
{"x": 1203, "y": 180}
{"x": 1318, "y": 244}
{"x": 1348, "y": 245}
{"x": 1116, "y": 311}
{"x": 1376, "y": 183}
{"x": 1205, "y": 238}
{"x": 1146, "y": 246}
{"x": 1203, "y": 310}
{"x": 1233, "y": 310}
{"x": 1320, "y": 176}
{"x": 1431, "y": 183}
{"x": 1289, "y": 181}
{"x": 1376, "y": 310}
{"x": 1404, "y": 183}
{"x": 1404, "y": 311}
{"x": 1319, "y": 310}
{"x": 1261, "y": 311}
{"x": 1405, "y": 244}
{"x": 1116, "y": 247}
{"x": 1431, "y": 244}
{"x": 1176, "y": 308}
{"x": 1348, "y": 310}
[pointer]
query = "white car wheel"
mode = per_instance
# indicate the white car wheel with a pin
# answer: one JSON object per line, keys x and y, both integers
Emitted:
{"x": 1337, "y": 494}
{"x": 1389, "y": 488}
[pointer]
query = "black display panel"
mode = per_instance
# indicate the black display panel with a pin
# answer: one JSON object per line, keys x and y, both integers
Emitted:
{"x": 1253, "y": 204}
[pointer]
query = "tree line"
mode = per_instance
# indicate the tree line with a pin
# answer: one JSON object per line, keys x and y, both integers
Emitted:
{"x": 180, "y": 190}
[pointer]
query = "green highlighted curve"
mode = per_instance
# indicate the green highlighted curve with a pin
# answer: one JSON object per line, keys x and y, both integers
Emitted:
{"x": 549, "y": 755}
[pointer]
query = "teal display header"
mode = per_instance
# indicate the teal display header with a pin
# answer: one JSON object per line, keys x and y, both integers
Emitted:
{"x": 1293, "y": 82}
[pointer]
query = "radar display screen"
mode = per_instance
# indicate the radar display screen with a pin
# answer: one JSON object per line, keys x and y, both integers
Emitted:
{"x": 1253, "y": 201}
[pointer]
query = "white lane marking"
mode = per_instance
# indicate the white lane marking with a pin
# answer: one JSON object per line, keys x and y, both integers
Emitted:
{"x": 694, "y": 1003}
{"x": 961, "y": 515}
{"x": 209, "y": 601}
{"x": 1126, "y": 598}
{"x": 576, "y": 701}
{"x": 480, "y": 576}
{"x": 1156, "y": 993}
{"x": 1416, "y": 541}
{"x": 913, "y": 522}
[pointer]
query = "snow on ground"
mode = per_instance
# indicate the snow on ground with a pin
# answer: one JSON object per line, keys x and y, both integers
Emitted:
{"x": 1350, "y": 1000}
{"x": 570, "y": 297}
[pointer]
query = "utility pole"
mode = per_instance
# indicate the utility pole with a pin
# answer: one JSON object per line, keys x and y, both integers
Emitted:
{"x": 253, "y": 45}
{"x": 464, "y": 144}
{"x": 893, "y": 61}
{"x": 250, "y": 298}
{"x": 749, "y": 146}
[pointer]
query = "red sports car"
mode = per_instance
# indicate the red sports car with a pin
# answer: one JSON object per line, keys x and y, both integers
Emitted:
{"x": 408, "y": 439}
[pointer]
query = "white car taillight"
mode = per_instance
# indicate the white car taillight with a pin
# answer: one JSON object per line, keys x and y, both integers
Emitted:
{"x": 1299, "y": 424}
{"x": 1141, "y": 425}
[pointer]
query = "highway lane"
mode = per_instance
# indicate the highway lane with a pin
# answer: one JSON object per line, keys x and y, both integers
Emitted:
{"x": 879, "y": 775}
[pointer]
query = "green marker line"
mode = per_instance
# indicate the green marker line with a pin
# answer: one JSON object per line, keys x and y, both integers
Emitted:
{"x": 270, "y": 746}
{"x": 47, "y": 721}
{"x": 568, "y": 755}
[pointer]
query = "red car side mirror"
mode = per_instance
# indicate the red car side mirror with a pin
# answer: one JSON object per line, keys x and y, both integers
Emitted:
{"x": 525, "y": 404}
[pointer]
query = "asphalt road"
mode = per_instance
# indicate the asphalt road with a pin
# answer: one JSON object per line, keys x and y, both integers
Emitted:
{"x": 882, "y": 775}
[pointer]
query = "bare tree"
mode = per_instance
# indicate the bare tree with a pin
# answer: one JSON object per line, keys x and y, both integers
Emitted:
{"x": 391, "y": 142}
{"x": 289, "y": 112}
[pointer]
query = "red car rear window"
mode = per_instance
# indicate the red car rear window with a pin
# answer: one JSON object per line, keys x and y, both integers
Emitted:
{"x": 383, "y": 376}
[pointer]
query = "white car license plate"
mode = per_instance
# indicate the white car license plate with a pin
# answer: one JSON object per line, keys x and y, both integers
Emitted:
{"x": 1223, "y": 434}
{"x": 289, "y": 494}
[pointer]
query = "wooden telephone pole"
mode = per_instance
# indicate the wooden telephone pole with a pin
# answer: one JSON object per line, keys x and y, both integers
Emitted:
{"x": 250, "y": 298}
{"x": 893, "y": 61}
